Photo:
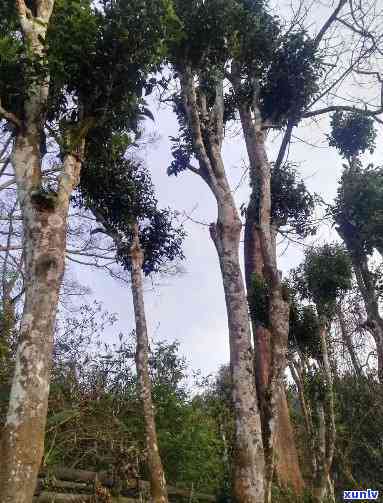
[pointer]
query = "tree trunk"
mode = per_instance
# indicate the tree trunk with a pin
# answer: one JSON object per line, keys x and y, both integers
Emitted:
{"x": 44, "y": 231}
{"x": 206, "y": 128}
{"x": 287, "y": 469}
{"x": 249, "y": 457}
{"x": 262, "y": 234}
{"x": 44, "y": 227}
{"x": 367, "y": 288}
{"x": 348, "y": 341}
{"x": 298, "y": 374}
{"x": 157, "y": 477}
{"x": 371, "y": 303}
{"x": 327, "y": 429}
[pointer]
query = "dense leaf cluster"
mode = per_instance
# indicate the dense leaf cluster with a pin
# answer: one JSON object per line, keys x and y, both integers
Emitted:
{"x": 291, "y": 80}
{"x": 120, "y": 191}
{"x": 97, "y": 58}
{"x": 358, "y": 209}
{"x": 182, "y": 145}
{"x": 352, "y": 133}
{"x": 291, "y": 203}
{"x": 304, "y": 330}
{"x": 121, "y": 41}
{"x": 324, "y": 275}
{"x": 259, "y": 300}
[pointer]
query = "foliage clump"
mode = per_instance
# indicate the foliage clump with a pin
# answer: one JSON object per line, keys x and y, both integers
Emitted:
{"x": 120, "y": 193}
{"x": 259, "y": 300}
{"x": 304, "y": 329}
{"x": 352, "y": 133}
{"x": 358, "y": 209}
{"x": 324, "y": 275}
{"x": 292, "y": 78}
{"x": 291, "y": 203}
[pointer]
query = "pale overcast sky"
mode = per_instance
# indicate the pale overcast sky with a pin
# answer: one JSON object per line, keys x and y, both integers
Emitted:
{"x": 190, "y": 308}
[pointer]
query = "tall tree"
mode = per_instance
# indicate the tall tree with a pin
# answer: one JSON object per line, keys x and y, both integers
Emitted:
{"x": 65, "y": 67}
{"x": 357, "y": 213}
{"x": 198, "y": 58}
{"x": 145, "y": 239}
{"x": 324, "y": 276}
{"x": 277, "y": 77}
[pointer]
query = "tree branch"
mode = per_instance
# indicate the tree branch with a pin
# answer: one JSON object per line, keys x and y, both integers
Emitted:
{"x": 285, "y": 143}
{"x": 328, "y": 23}
{"x": 343, "y": 108}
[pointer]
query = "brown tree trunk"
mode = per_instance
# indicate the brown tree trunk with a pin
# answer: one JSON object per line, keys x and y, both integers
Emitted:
{"x": 206, "y": 127}
{"x": 287, "y": 469}
{"x": 157, "y": 476}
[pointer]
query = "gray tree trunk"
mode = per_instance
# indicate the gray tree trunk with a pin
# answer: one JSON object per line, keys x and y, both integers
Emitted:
{"x": 157, "y": 476}
{"x": 368, "y": 290}
{"x": 327, "y": 429}
{"x": 206, "y": 127}
{"x": 44, "y": 229}
{"x": 346, "y": 336}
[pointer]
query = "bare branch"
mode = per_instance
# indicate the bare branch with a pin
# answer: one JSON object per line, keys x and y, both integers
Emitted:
{"x": 284, "y": 145}
{"x": 328, "y": 23}
{"x": 343, "y": 108}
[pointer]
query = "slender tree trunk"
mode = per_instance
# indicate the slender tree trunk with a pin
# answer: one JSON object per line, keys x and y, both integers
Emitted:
{"x": 157, "y": 476}
{"x": 367, "y": 288}
{"x": 206, "y": 127}
{"x": 297, "y": 373}
{"x": 327, "y": 429}
{"x": 371, "y": 303}
{"x": 248, "y": 464}
{"x": 348, "y": 341}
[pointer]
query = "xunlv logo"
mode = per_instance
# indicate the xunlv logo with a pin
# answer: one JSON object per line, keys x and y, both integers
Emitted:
{"x": 369, "y": 494}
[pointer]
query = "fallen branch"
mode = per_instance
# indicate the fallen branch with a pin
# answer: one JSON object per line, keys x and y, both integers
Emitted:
{"x": 51, "y": 497}
{"x": 105, "y": 478}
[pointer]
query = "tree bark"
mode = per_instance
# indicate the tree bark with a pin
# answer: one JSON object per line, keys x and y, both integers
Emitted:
{"x": 271, "y": 346}
{"x": 367, "y": 288}
{"x": 371, "y": 303}
{"x": 22, "y": 439}
{"x": 44, "y": 230}
{"x": 287, "y": 469}
{"x": 206, "y": 128}
{"x": 327, "y": 429}
{"x": 157, "y": 476}
{"x": 346, "y": 336}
